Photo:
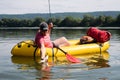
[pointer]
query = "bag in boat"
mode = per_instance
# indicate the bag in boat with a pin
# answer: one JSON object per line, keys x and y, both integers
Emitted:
{"x": 100, "y": 35}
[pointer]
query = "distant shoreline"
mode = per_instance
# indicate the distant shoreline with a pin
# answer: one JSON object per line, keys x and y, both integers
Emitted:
{"x": 8, "y": 28}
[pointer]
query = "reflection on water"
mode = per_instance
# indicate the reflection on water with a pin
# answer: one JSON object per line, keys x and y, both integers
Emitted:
{"x": 89, "y": 61}
{"x": 99, "y": 62}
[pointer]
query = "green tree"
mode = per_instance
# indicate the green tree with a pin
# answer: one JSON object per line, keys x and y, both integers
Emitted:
{"x": 87, "y": 20}
{"x": 57, "y": 21}
{"x": 69, "y": 21}
{"x": 118, "y": 20}
{"x": 1, "y": 22}
{"x": 13, "y": 22}
{"x": 108, "y": 21}
{"x": 4, "y": 22}
{"x": 100, "y": 21}
{"x": 37, "y": 21}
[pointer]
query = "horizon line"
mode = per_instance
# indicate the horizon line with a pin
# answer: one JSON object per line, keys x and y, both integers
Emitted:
{"x": 56, "y": 12}
{"x": 22, "y": 28}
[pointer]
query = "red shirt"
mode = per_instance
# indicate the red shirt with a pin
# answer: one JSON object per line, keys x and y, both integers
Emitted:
{"x": 40, "y": 39}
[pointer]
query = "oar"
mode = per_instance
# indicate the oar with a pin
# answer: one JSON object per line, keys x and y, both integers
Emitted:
{"x": 69, "y": 57}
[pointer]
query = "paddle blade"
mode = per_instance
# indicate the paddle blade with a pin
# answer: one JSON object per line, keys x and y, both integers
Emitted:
{"x": 72, "y": 59}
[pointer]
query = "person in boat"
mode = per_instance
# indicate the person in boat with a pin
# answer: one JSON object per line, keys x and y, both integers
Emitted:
{"x": 42, "y": 39}
{"x": 87, "y": 39}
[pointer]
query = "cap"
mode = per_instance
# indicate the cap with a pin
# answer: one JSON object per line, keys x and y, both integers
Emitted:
{"x": 43, "y": 26}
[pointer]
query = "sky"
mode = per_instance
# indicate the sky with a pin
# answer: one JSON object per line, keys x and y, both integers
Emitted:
{"x": 57, "y": 6}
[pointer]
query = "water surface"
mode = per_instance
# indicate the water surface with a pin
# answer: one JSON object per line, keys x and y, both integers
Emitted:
{"x": 93, "y": 67}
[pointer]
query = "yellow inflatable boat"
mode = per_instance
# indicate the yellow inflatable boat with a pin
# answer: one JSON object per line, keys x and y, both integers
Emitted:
{"x": 27, "y": 48}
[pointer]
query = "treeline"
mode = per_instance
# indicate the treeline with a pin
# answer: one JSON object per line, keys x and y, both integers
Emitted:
{"x": 69, "y": 21}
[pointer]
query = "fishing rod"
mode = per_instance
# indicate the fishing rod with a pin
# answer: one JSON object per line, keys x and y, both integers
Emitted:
{"x": 49, "y": 8}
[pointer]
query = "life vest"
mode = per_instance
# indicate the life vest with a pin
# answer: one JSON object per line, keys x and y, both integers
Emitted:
{"x": 100, "y": 35}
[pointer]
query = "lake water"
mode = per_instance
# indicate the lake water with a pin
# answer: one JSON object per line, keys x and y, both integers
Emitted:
{"x": 93, "y": 67}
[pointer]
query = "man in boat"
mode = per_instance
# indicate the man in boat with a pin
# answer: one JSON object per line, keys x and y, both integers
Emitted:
{"x": 42, "y": 39}
{"x": 87, "y": 39}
